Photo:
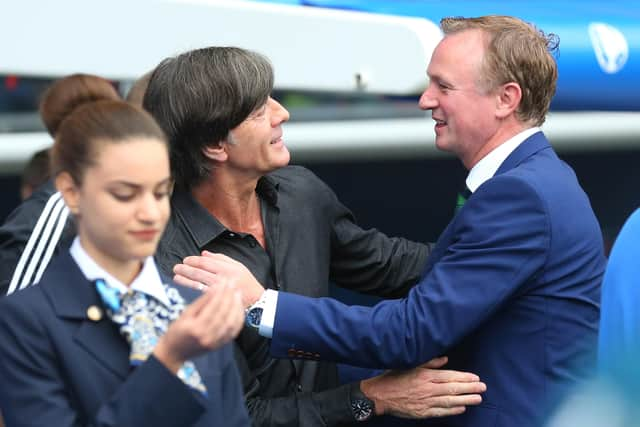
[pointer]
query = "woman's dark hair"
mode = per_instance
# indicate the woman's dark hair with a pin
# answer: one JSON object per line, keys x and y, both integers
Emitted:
{"x": 64, "y": 95}
{"x": 93, "y": 124}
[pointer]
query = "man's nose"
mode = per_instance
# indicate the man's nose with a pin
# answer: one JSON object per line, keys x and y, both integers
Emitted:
{"x": 279, "y": 114}
{"x": 427, "y": 100}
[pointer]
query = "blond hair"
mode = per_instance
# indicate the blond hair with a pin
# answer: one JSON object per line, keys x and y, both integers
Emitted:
{"x": 516, "y": 51}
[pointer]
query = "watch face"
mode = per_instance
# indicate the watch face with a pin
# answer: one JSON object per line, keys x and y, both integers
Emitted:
{"x": 362, "y": 409}
{"x": 254, "y": 316}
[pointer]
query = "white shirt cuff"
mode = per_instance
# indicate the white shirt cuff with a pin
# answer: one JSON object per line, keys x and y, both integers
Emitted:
{"x": 268, "y": 313}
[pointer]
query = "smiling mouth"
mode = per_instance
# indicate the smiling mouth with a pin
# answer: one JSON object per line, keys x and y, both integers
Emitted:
{"x": 439, "y": 124}
{"x": 145, "y": 234}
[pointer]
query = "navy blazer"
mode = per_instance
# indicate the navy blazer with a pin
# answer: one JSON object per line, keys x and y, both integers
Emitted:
{"x": 59, "y": 368}
{"x": 511, "y": 292}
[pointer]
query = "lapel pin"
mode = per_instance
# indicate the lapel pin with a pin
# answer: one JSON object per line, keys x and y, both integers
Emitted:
{"x": 94, "y": 313}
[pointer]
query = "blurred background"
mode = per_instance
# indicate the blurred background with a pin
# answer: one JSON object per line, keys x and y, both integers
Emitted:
{"x": 350, "y": 73}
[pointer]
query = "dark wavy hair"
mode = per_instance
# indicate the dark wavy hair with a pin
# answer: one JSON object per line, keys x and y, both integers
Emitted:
{"x": 199, "y": 96}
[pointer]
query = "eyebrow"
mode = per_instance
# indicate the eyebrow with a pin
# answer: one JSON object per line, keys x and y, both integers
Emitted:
{"x": 432, "y": 76}
{"x": 166, "y": 181}
{"x": 437, "y": 78}
{"x": 442, "y": 80}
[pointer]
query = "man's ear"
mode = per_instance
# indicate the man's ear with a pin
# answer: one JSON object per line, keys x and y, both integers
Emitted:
{"x": 508, "y": 99}
{"x": 69, "y": 190}
{"x": 217, "y": 152}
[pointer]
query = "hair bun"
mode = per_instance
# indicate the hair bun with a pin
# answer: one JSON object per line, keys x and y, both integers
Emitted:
{"x": 69, "y": 93}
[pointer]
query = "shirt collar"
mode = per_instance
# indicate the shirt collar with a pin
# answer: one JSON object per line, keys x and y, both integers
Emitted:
{"x": 204, "y": 227}
{"x": 199, "y": 223}
{"x": 489, "y": 164}
{"x": 147, "y": 281}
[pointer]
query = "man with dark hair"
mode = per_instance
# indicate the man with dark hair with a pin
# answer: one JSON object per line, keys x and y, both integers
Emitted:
{"x": 512, "y": 289}
{"x": 236, "y": 194}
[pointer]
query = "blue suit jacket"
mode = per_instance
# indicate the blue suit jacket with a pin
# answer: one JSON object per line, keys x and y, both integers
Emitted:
{"x": 511, "y": 292}
{"x": 59, "y": 368}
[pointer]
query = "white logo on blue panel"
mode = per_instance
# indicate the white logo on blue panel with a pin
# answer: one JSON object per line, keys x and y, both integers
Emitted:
{"x": 610, "y": 46}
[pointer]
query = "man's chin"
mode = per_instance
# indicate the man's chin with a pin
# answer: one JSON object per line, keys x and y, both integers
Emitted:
{"x": 283, "y": 158}
{"x": 442, "y": 145}
{"x": 279, "y": 163}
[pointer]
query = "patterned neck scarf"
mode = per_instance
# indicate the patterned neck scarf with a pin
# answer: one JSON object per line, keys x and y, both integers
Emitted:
{"x": 143, "y": 320}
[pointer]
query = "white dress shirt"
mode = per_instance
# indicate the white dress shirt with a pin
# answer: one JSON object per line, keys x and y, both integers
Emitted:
{"x": 489, "y": 164}
{"x": 147, "y": 281}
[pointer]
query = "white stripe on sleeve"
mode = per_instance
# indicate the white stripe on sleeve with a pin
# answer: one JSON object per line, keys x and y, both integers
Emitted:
{"x": 54, "y": 212}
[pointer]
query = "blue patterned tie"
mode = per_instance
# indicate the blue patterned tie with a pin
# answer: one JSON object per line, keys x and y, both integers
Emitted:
{"x": 143, "y": 320}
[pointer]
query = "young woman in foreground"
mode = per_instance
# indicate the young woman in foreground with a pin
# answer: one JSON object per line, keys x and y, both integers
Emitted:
{"x": 103, "y": 340}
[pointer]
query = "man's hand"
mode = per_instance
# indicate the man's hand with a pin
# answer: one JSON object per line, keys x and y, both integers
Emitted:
{"x": 424, "y": 392}
{"x": 211, "y": 321}
{"x": 211, "y": 269}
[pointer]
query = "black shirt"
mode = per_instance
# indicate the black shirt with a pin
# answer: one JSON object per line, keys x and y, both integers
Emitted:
{"x": 311, "y": 239}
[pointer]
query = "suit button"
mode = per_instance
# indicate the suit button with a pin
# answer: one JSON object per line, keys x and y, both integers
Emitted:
{"x": 94, "y": 313}
{"x": 299, "y": 387}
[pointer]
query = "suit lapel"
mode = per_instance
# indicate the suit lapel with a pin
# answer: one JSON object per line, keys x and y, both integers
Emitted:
{"x": 271, "y": 220}
{"x": 205, "y": 363}
{"x": 529, "y": 147}
{"x": 71, "y": 295}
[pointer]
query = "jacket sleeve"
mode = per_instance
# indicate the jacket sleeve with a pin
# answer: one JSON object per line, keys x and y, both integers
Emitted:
{"x": 30, "y": 237}
{"x": 33, "y": 389}
{"x": 305, "y": 409}
{"x": 369, "y": 261}
{"x": 497, "y": 247}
